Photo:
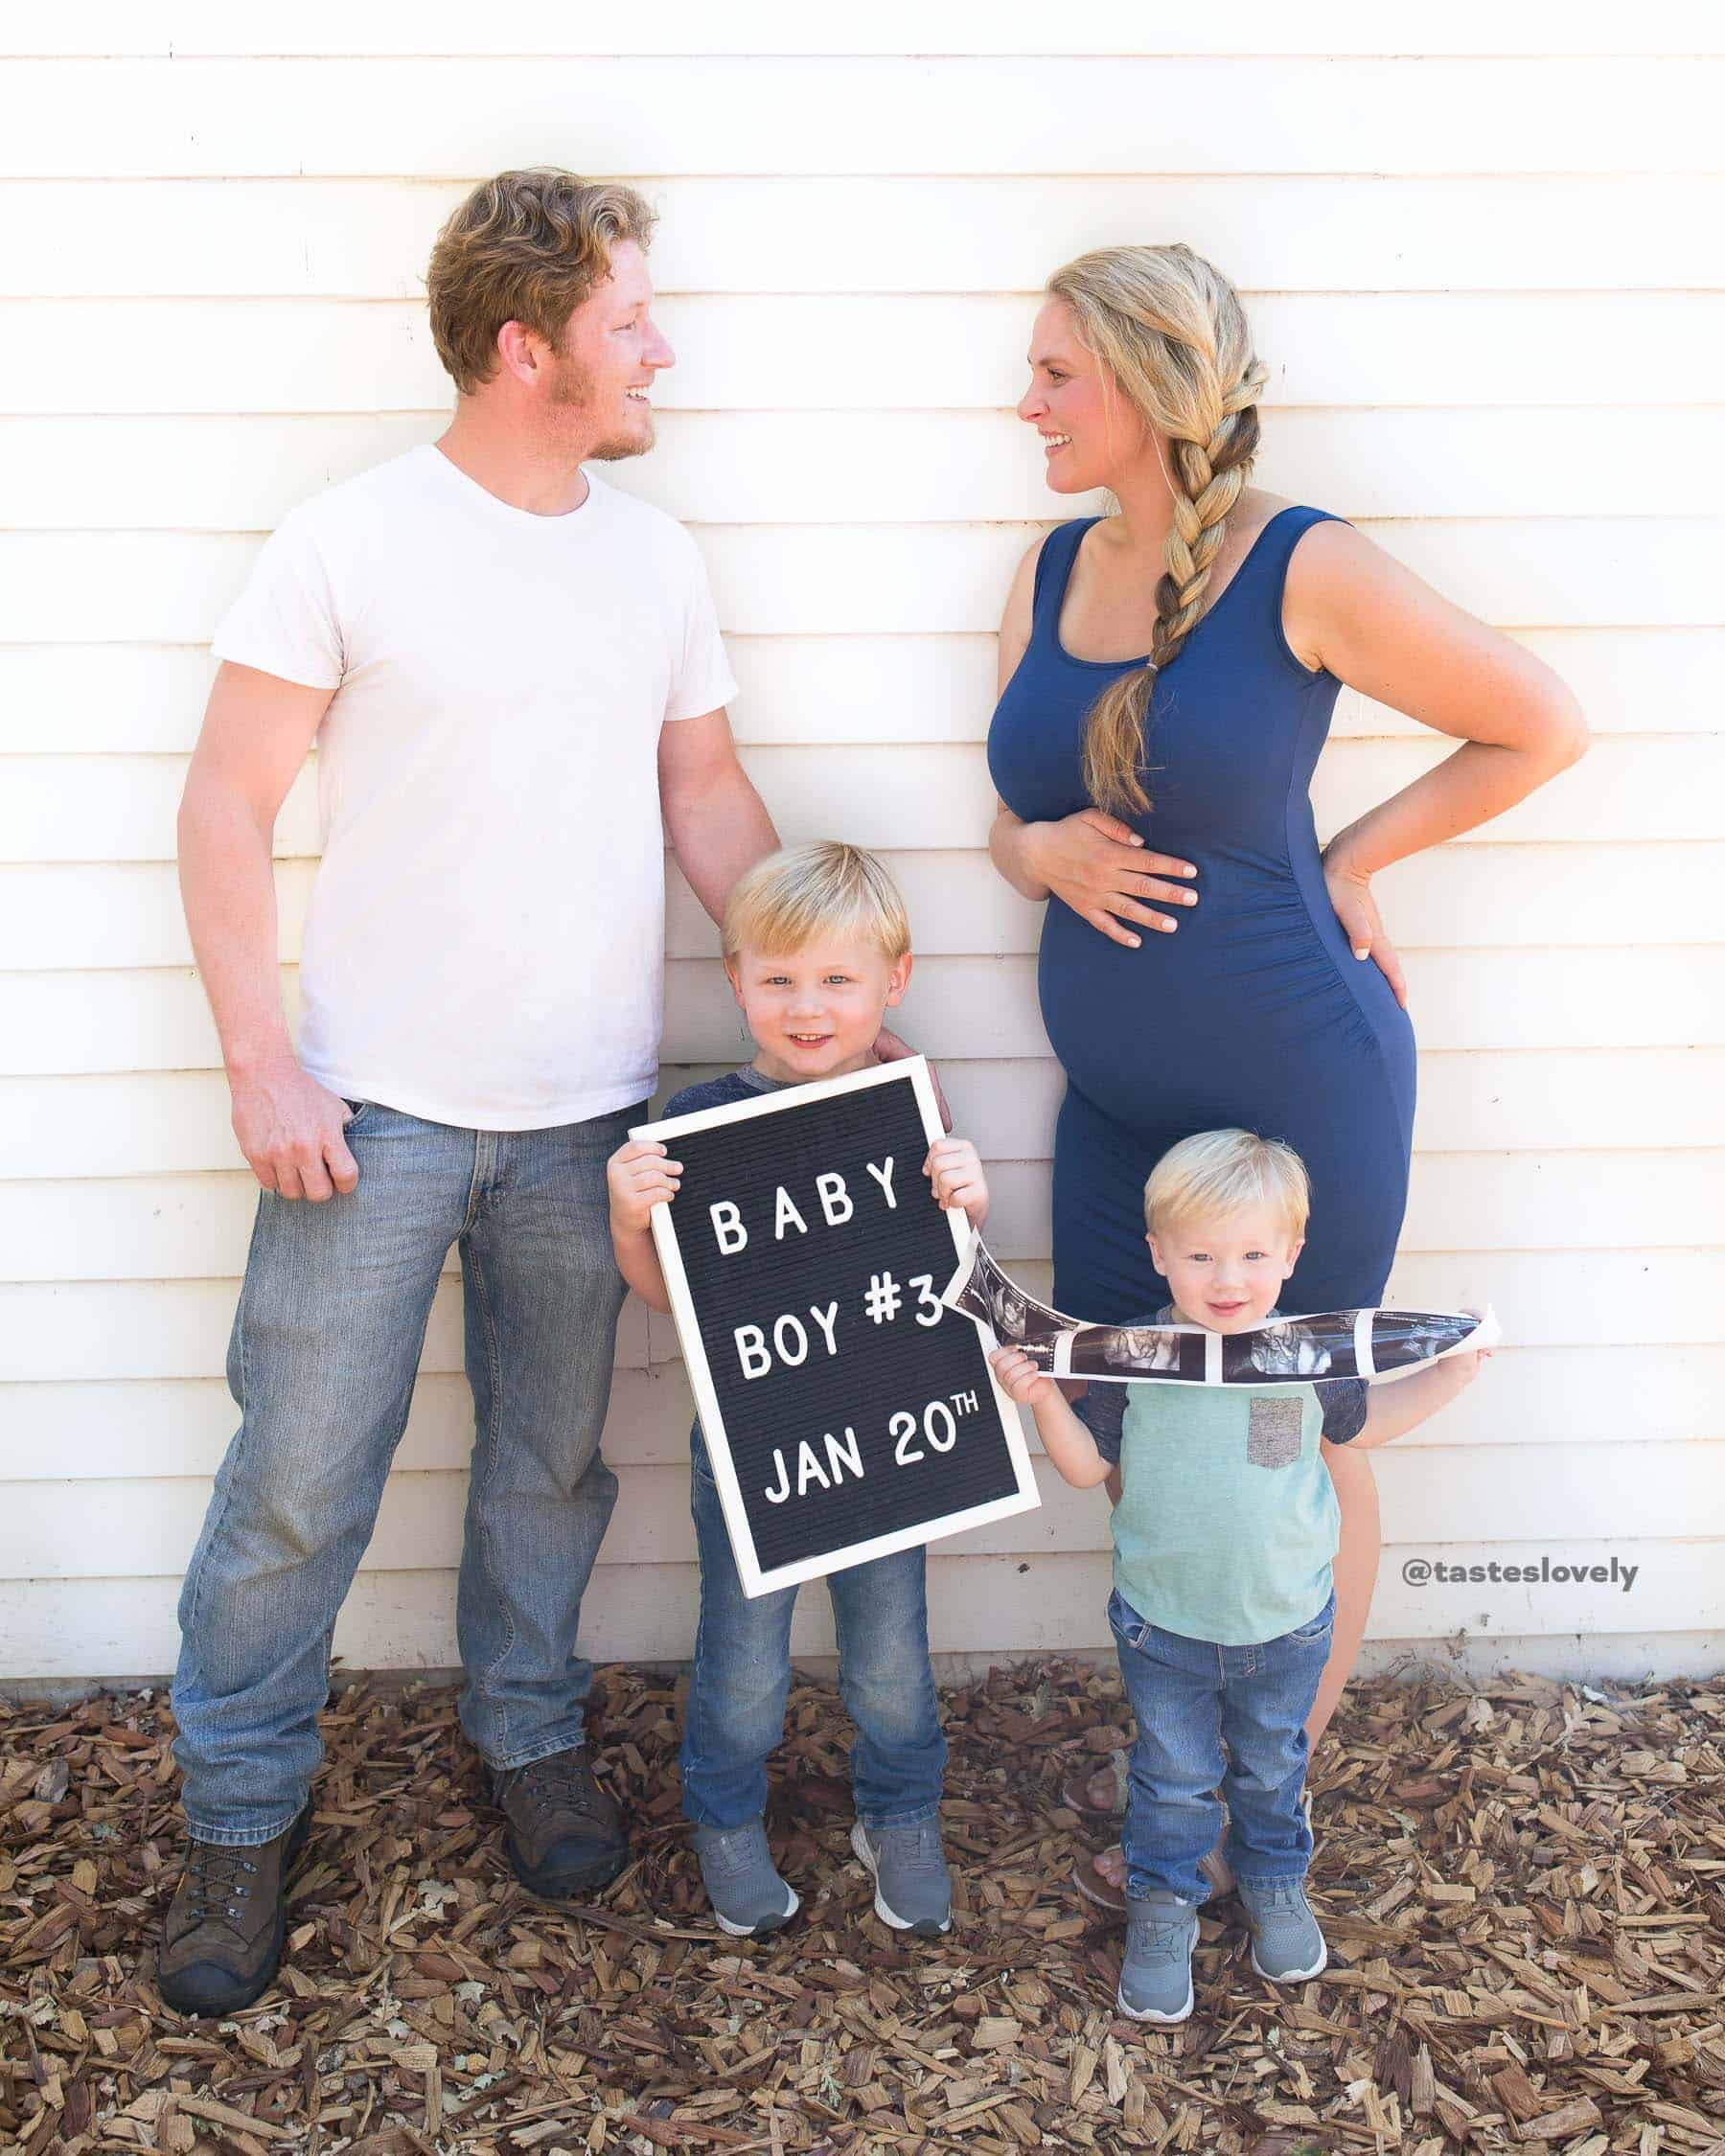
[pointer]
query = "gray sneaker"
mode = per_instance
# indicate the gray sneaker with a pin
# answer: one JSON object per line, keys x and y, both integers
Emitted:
{"x": 913, "y": 1890}
{"x": 743, "y": 1884}
{"x": 1155, "y": 1977}
{"x": 1286, "y": 1944}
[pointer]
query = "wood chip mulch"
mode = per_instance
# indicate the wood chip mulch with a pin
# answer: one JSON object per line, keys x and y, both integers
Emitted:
{"x": 1523, "y": 1888}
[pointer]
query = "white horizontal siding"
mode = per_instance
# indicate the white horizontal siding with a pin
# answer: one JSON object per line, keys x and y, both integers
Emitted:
{"x": 1041, "y": 1604}
{"x": 180, "y": 1328}
{"x": 89, "y": 699}
{"x": 1578, "y": 1100}
{"x": 1656, "y": 788}
{"x": 369, "y": 376}
{"x": 824, "y": 580}
{"x": 91, "y": 1430}
{"x": 88, "y": 1023}
{"x": 1106, "y": 28}
{"x": 763, "y": 114}
{"x": 82, "y": 915}
{"x": 60, "y": 1529}
{"x": 1627, "y": 232}
{"x": 191, "y": 1227}
{"x": 774, "y": 467}
{"x": 1464, "y": 260}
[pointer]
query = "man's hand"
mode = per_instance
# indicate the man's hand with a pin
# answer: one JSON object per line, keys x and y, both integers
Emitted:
{"x": 889, "y": 1048}
{"x": 955, "y": 1172}
{"x": 638, "y": 1177}
{"x": 1020, "y": 1379}
{"x": 289, "y": 1130}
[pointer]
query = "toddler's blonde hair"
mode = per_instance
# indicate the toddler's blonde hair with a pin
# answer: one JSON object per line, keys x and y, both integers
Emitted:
{"x": 825, "y": 888}
{"x": 1222, "y": 1172}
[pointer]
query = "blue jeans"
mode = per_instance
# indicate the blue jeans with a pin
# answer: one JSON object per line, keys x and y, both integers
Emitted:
{"x": 322, "y": 1360}
{"x": 1190, "y": 1698}
{"x": 736, "y": 1711}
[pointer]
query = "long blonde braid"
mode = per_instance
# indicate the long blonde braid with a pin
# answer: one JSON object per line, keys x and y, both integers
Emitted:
{"x": 1169, "y": 330}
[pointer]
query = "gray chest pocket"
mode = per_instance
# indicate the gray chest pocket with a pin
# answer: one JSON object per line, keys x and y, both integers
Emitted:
{"x": 1273, "y": 1431}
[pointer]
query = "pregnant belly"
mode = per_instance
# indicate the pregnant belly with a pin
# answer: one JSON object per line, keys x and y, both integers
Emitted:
{"x": 1240, "y": 1006}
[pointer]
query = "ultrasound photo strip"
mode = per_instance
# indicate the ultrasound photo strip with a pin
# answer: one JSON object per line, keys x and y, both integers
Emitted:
{"x": 1333, "y": 1343}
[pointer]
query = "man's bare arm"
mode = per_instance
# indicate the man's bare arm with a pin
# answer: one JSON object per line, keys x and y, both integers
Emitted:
{"x": 256, "y": 732}
{"x": 716, "y": 822}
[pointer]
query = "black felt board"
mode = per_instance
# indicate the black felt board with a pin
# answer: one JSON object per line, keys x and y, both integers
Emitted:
{"x": 909, "y": 1487}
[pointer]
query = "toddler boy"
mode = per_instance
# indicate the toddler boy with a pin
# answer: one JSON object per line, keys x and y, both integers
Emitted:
{"x": 1223, "y": 1604}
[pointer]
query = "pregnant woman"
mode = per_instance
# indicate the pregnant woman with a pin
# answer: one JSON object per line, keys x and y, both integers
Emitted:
{"x": 1167, "y": 675}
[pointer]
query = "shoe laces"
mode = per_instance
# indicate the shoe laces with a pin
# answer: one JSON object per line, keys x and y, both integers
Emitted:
{"x": 1152, "y": 1935}
{"x": 729, "y": 1850}
{"x": 217, "y": 1882}
{"x": 559, "y": 1780}
{"x": 1282, "y": 1897}
{"x": 911, "y": 1848}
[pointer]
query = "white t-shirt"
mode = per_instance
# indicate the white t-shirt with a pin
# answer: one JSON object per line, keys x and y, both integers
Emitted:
{"x": 485, "y": 943}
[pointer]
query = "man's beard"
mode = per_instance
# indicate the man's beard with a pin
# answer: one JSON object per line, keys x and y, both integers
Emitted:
{"x": 572, "y": 392}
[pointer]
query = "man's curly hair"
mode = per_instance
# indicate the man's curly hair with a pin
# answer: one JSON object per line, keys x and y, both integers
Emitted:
{"x": 527, "y": 246}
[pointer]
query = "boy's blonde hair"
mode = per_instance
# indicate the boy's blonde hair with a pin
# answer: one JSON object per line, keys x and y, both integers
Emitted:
{"x": 1222, "y": 1172}
{"x": 821, "y": 889}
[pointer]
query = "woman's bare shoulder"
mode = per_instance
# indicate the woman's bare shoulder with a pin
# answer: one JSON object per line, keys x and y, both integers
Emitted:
{"x": 1023, "y": 582}
{"x": 1253, "y": 511}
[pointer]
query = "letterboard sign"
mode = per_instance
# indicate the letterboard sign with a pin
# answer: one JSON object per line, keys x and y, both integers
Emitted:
{"x": 847, "y": 1413}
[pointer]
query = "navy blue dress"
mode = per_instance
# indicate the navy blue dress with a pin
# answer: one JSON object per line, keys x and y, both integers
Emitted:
{"x": 1254, "y": 1012}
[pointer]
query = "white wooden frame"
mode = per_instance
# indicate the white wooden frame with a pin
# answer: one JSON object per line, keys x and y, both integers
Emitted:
{"x": 1025, "y": 1497}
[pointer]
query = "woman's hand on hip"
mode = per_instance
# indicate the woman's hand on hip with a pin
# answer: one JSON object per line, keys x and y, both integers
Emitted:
{"x": 1356, "y": 908}
{"x": 1100, "y": 869}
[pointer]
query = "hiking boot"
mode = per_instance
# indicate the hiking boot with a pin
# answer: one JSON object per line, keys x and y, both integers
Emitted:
{"x": 1286, "y": 1944}
{"x": 565, "y": 1835}
{"x": 742, "y": 1883}
{"x": 1155, "y": 1977}
{"x": 913, "y": 1890}
{"x": 221, "y": 1938}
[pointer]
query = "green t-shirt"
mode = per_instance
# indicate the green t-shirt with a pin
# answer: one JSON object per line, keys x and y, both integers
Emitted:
{"x": 1227, "y": 1517}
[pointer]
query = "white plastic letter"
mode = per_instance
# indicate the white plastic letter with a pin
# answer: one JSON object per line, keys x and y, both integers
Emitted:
{"x": 833, "y": 1196}
{"x": 849, "y": 1454}
{"x": 809, "y": 1469}
{"x": 778, "y": 1496}
{"x": 883, "y": 1175}
{"x": 787, "y": 1334}
{"x": 785, "y": 1215}
{"x": 752, "y": 1351}
{"x": 827, "y": 1320}
{"x": 727, "y": 1227}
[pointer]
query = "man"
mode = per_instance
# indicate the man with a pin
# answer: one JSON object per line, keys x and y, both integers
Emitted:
{"x": 510, "y": 669}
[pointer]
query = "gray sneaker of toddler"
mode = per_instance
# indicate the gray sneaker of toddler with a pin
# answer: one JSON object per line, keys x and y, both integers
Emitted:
{"x": 1155, "y": 1977}
{"x": 1286, "y": 1944}
{"x": 913, "y": 1890}
{"x": 743, "y": 1884}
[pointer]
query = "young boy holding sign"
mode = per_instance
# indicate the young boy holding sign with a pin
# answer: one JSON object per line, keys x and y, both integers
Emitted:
{"x": 818, "y": 949}
{"x": 1223, "y": 1538}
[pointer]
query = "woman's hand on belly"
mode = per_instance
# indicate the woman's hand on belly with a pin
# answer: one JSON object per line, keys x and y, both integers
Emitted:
{"x": 1099, "y": 867}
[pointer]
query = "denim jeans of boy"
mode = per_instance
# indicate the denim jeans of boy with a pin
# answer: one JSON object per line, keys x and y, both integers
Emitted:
{"x": 1191, "y": 1698}
{"x": 742, "y": 1675}
{"x": 325, "y": 1346}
